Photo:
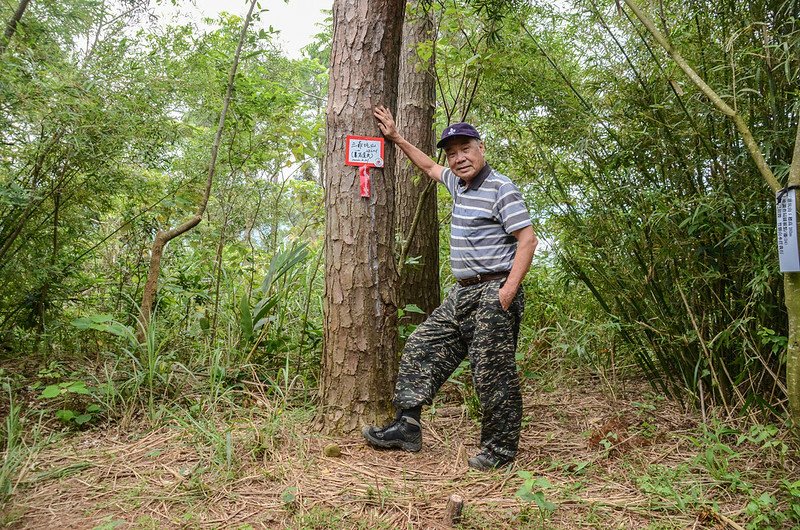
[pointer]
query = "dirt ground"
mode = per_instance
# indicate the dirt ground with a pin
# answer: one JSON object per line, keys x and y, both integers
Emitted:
{"x": 607, "y": 464}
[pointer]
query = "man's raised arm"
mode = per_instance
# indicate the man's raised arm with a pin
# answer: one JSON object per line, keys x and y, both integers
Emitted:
{"x": 420, "y": 159}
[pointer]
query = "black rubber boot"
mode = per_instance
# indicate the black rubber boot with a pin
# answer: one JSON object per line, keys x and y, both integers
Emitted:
{"x": 487, "y": 460}
{"x": 404, "y": 433}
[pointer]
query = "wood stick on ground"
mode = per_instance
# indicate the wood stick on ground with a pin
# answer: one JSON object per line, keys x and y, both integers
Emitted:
{"x": 730, "y": 522}
{"x": 452, "y": 513}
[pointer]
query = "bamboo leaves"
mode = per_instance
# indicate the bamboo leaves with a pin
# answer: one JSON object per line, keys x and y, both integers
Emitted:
{"x": 245, "y": 318}
{"x": 272, "y": 292}
{"x": 645, "y": 190}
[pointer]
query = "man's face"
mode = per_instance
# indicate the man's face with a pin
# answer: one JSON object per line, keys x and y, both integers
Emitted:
{"x": 465, "y": 156}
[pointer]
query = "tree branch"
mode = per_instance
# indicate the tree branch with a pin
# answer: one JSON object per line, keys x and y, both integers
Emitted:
{"x": 165, "y": 236}
{"x": 11, "y": 26}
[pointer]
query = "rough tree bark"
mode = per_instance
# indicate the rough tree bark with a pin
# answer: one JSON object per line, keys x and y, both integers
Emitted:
{"x": 360, "y": 337}
{"x": 165, "y": 236}
{"x": 415, "y": 194}
{"x": 791, "y": 281}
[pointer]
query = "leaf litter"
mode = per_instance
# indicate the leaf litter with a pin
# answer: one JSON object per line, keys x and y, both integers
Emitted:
{"x": 600, "y": 462}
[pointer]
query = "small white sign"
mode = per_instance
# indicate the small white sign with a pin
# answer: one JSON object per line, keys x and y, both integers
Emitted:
{"x": 364, "y": 151}
{"x": 788, "y": 250}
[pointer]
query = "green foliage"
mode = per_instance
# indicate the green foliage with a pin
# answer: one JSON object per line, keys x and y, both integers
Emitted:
{"x": 106, "y": 134}
{"x": 104, "y": 323}
{"x": 722, "y": 463}
{"x": 281, "y": 264}
{"x": 405, "y": 329}
{"x": 320, "y": 518}
{"x": 673, "y": 488}
{"x": 646, "y": 195}
{"x": 533, "y": 490}
{"x": 461, "y": 378}
{"x": 657, "y": 237}
{"x": 62, "y": 392}
{"x": 22, "y": 437}
{"x": 12, "y": 447}
{"x": 289, "y": 495}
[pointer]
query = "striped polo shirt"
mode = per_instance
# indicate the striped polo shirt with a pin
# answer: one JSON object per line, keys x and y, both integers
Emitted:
{"x": 485, "y": 215}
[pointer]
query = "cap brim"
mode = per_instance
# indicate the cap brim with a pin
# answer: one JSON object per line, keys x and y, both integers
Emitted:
{"x": 444, "y": 141}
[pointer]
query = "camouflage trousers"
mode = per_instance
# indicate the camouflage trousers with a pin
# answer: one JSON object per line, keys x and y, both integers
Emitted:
{"x": 470, "y": 322}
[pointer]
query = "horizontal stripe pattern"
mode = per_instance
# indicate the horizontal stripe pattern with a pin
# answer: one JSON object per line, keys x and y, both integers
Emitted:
{"x": 485, "y": 216}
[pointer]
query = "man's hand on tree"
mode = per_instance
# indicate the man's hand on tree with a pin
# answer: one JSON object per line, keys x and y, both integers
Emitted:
{"x": 386, "y": 123}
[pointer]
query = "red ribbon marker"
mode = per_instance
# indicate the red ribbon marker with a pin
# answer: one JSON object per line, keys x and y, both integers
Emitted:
{"x": 363, "y": 174}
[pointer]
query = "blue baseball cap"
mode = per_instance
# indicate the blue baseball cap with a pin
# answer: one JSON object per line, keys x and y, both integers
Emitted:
{"x": 457, "y": 129}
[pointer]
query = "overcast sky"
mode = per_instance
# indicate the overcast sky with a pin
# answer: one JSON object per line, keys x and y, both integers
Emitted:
{"x": 296, "y": 19}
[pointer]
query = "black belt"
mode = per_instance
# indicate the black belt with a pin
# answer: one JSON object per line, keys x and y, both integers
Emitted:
{"x": 480, "y": 278}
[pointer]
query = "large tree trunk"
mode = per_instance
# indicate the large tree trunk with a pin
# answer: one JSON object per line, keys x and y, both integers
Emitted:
{"x": 415, "y": 215}
{"x": 165, "y": 236}
{"x": 360, "y": 348}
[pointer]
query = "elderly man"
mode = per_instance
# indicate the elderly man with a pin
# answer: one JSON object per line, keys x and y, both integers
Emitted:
{"x": 491, "y": 247}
